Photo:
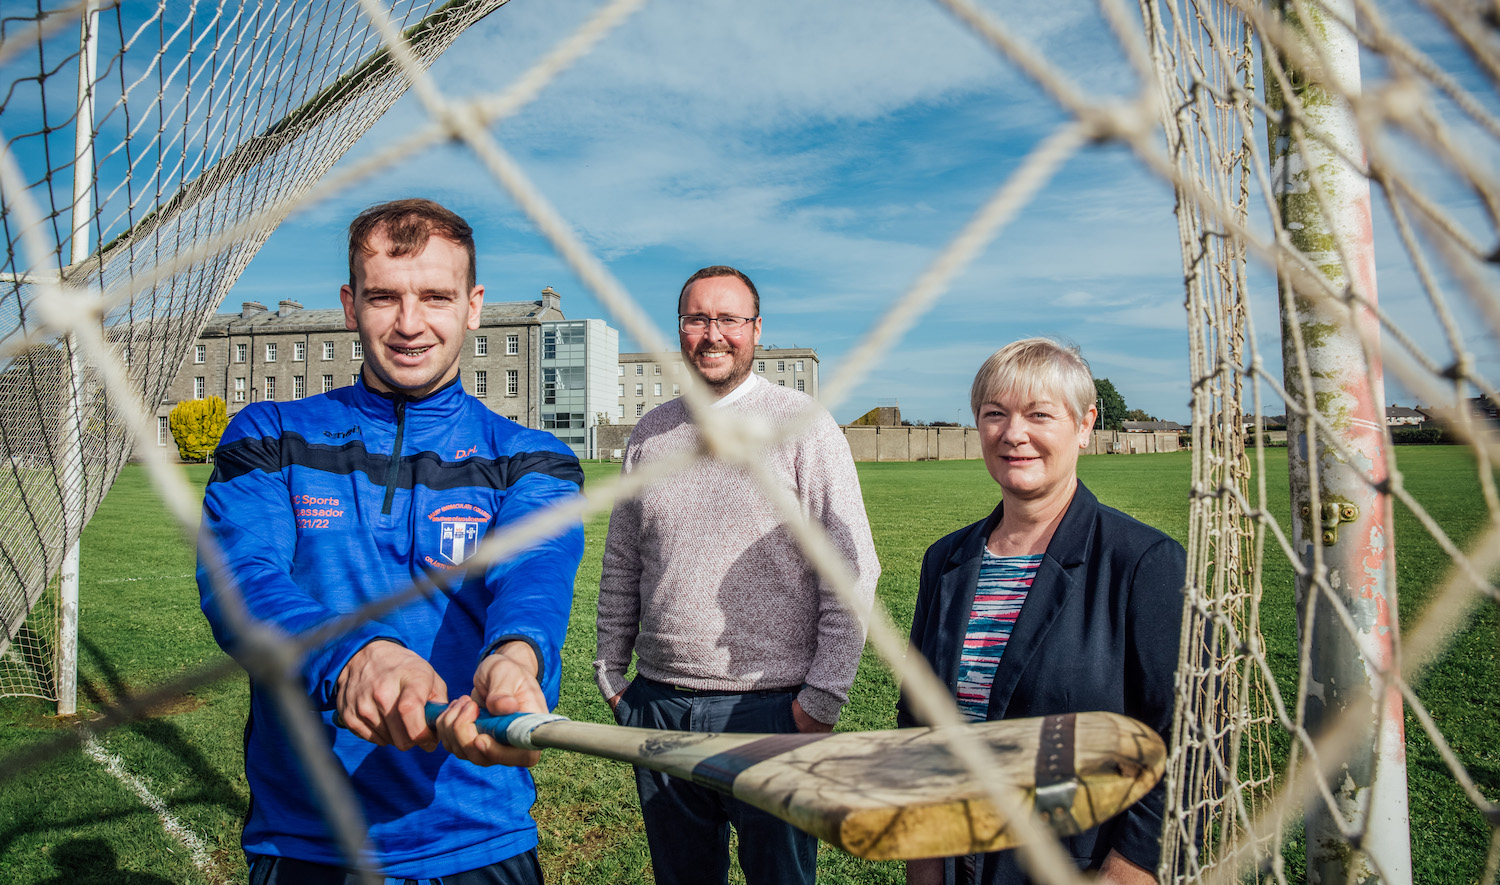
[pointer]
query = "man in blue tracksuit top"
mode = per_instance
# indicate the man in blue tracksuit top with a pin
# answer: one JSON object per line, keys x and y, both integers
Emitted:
{"x": 321, "y": 505}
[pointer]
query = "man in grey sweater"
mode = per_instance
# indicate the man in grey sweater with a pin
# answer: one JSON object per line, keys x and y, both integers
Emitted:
{"x": 732, "y": 629}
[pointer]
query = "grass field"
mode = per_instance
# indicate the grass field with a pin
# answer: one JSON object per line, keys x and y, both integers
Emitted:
{"x": 69, "y": 820}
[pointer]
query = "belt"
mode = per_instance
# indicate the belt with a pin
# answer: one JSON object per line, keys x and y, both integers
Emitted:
{"x": 717, "y": 692}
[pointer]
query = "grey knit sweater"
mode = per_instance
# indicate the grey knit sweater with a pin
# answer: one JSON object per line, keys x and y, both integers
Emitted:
{"x": 709, "y": 589}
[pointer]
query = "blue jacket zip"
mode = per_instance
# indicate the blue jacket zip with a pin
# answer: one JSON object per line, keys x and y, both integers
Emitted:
{"x": 393, "y": 474}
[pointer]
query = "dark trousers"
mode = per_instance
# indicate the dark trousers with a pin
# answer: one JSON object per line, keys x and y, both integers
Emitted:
{"x": 522, "y": 869}
{"x": 687, "y": 826}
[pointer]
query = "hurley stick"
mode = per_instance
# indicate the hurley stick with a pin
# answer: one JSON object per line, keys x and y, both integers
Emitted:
{"x": 886, "y": 795}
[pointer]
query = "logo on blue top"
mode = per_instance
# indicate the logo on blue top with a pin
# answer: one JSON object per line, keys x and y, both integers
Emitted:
{"x": 460, "y": 526}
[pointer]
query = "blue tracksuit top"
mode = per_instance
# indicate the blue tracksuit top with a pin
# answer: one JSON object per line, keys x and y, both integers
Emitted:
{"x": 314, "y": 518}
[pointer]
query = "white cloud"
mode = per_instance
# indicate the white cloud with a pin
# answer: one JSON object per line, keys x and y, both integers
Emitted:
{"x": 833, "y": 149}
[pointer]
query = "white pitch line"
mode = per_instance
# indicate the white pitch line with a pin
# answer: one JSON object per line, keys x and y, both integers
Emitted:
{"x": 146, "y": 578}
{"x": 172, "y": 825}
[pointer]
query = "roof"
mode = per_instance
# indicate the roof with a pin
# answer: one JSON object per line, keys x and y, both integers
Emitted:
{"x": 760, "y": 353}
{"x": 1149, "y": 426}
{"x": 301, "y": 320}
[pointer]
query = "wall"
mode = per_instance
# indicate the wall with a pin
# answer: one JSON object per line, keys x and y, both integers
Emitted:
{"x": 955, "y": 443}
{"x": 932, "y": 443}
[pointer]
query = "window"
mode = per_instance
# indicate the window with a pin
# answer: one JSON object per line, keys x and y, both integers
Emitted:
{"x": 515, "y": 418}
{"x": 676, "y": 390}
{"x": 656, "y": 389}
{"x": 481, "y": 345}
{"x": 549, "y": 387}
{"x": 200, "y": 353}
{"x": 299, "y": 386}
{"x": 163, "y": 430}
{"x": 270, "y": 388}
{"x": 562, "y": 421}
{"x": 549, "y": 344}
{"x": 640, "y": 390}
{"x": 640, "y": 409}
{"x": 481, "y": 383}
{"x": 801, "y": 385}
{"x": 622, "y": 390}
{"x": 299, "y": 351}
{"x": 356, "y": 350}
{"x": 619, "y": 411}
{"x": 640, "y": 369}
{"x": 512, "y": 344}
{"x": 799, "y": 365}
{"x": 353, "y": 379}
{"x": 239, "y": 352}
{"x": 327, "y": 383}
{"x": 656, "y": 368}
{"x": 760, "y": 366}
{"x": 198, "y": 387}
{"x": 239, "y": 390}
{"x": 327, "y": 350}
{"x": 270, "y": 351}
{"x": 622, "y": 370}
{"x": 512, "y": 382}
{"x": 781, "y": 383}
{"x": 781, "y": 367}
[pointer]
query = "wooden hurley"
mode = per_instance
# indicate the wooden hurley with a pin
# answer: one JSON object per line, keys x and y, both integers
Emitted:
{"x": 886, "y": 795}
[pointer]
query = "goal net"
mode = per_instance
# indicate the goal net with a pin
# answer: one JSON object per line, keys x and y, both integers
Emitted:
{"x": 1301, "y": 686}
{"x": 161, "y": 149}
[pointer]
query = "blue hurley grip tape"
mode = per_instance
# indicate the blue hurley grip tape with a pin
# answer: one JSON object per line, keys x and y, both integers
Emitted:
{"x": 494, "y": 726}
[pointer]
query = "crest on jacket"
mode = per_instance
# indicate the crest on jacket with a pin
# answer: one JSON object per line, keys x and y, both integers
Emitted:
{"x": 459, "y": 528}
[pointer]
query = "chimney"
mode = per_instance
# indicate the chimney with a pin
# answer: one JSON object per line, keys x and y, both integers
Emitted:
{"x": 288, "y": 307}
{"x": 551, "y": 300}
{"x": 249, "y": 309}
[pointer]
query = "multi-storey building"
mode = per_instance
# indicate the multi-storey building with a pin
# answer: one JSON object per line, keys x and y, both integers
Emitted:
{"x": 579, "y": 358}
{"x": 258, "y": 354}
{"x": 646, "y": 380}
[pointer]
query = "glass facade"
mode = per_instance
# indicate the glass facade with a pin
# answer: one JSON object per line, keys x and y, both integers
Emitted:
{"x": 579, "y": 363}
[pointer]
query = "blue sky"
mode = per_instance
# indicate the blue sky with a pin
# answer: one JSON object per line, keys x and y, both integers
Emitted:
{"x": 831, "y": 150}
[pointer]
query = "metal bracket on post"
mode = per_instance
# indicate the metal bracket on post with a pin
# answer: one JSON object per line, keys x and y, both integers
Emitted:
{"x": 1332, "y": 515}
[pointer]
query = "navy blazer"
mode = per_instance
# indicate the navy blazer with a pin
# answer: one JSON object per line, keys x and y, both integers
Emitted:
{"x": 1099, "y": 630}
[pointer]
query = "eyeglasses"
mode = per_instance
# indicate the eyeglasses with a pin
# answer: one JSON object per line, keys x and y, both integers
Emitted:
{"x": 698, "y": 324}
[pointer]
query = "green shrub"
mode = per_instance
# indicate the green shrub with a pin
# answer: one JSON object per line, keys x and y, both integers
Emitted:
{"x": 1420, "y": 436}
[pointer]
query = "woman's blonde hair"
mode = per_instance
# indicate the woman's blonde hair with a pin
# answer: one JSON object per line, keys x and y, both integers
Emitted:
{"x": 1035, "y": 366}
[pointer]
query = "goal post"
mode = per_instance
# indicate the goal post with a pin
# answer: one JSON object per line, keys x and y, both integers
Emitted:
{"x": 1341, "y": 522}
{"x": 195, "y": 130}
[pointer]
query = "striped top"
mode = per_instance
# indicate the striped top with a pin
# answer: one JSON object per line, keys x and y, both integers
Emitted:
{"x": 1003, "y": 584}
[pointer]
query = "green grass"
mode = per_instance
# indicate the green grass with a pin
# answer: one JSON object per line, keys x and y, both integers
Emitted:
{"x": 68, "y": 820}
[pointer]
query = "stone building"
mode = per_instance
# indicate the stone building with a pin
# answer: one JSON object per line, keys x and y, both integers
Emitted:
{"x": 259, "y": 354}
{"x": 646, "y": 380}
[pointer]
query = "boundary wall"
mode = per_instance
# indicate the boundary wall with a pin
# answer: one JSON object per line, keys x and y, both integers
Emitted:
{"x": 932, "y": 443}
{"x": 957, "y": 443}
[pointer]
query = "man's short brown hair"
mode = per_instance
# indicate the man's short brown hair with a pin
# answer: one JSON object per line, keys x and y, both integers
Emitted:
{"x": 718, "y": 270}
{"x": 408, "y": 224}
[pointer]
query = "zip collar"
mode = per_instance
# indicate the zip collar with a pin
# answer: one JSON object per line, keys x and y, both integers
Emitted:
{"x": 398, "y": 408}
{"x": 443, "y": 403}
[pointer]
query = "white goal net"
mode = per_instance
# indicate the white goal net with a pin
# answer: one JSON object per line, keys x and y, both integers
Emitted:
{"x": 160, "y": 149}
{"x": 211, "y": 123}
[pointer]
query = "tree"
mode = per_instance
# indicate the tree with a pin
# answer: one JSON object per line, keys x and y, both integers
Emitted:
{"x": 1139, "y": 415}
{"x": 196, "y": 426}
{"x": 1112, "y": 405}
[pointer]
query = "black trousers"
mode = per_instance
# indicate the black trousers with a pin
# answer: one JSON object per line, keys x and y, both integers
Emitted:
{"x": 523, "y": 869}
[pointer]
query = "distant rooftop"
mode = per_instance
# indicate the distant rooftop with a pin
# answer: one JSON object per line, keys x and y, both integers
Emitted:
{"x": 291, "y": 316}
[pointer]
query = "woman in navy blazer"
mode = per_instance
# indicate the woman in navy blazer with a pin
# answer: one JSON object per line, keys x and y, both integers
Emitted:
{"x": 1097, "y": 629}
